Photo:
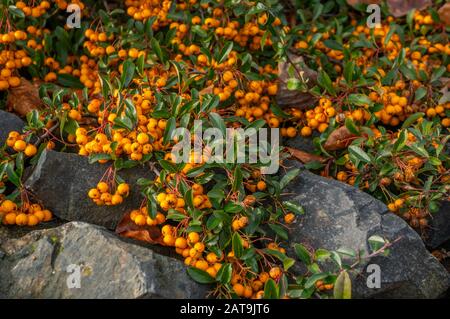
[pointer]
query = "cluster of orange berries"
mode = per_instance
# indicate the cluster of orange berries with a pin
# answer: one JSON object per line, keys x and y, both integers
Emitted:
{"x": 192, "y": 249}
{"x": 321, "y": 286}
{"x": 27, "y": 215}
{"x": 10, "y": 61}
{"x": 440, "y": 111}
{"x": 252, "y": 288}
{"x": 314, "y": 119}
{"x": 142, "y": 10}
{"x": 101, "y": 195}
{"x": 17, "y": 142}
{"x": 89, "y": 74}
{"x": 133, "y": 144}
{"x": 141, "y": 218}
{"x": 44, "y": 6}
{"x": 422, "y": 19}
{"x": 254, "y": 103}
{"x": 36, "y": 11}
{"x": 98, "y": 43}
{"x": 416, "y": 217}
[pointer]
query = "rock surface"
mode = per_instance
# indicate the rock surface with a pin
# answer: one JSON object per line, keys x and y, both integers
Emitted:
{"x": 9, "y": 122}
{"x": 341, "y": 216}
{"x": 439, "y": 231}
{"x": 62, "y": 182}
{"x": 36, "y": 266}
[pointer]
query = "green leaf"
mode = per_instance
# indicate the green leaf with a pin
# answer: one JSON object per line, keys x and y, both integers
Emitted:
{"x": 170, "y": 127}
{"x": 225, "y": 52}
{"x": 271, "y": 290}
{"x": 350, "y": 125}
{"x": 69, "y": 81}
{"x": 293, "y": 84}
{"x": 333, "y": 45}
{"x": 280, "y": 231}
{"x": 12, "y": 175}
{"x": 224, "y": 274}
{"x": 322, "y": 254}
{"x": 343, "y": 286}
{"x": 236, "y": 243}
{"x": 437, "y": 74}
{"x": 314, "y": 278}
{"x": 288, "y": 263}
{"x": 294, "y": 207}
{"x": 288, "y": 177}
{"x": 128, "y": 73}
{"x": 302, "y": 253}
{"x": 98, "y": 157}
{"x": 359, "y": 153}
{"x": 401, "y": 141}
{"x": 376, "y": 242}
{"x": 157, "y": 49}
{"x": 420, "y": 93}
{"x": 200, "y": 276}
{"x": 359, "y": 99}
{"x": 349, "y": 67}
{"x": 324, "y": 81}
{"x": 237, "y": 179}
{"x": 14, "y": 11}
{"x": 218, "y": 122}
{"x": 412, "y": 119}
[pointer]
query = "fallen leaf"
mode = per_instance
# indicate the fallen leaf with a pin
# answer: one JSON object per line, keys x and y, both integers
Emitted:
{"x": 295, "y": 98}
{"x": 128, "y": 229}
{"x": 24, "y": 98}
{"x": 207, "y": 90}
{"x": 400, "y": 8}
{"x": 444, "y": 14}
{"x": 304, "y": 157}
{"x": 339, "y": 139}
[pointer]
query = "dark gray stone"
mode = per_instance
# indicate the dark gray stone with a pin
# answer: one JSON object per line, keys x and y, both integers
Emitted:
{"x": 439, "y": 231}
{"x": 341, "y": 216}
{"x": 36, "y": 266}
{"x": 9, "y": 122}
{"x": 301, "y": 143}
{"x": 62, "y": 181}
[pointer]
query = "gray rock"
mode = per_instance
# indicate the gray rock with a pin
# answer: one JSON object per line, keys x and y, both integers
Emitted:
{"x": 36, "y": 266}
{"x": 62, "y": 182}
{"x": 9, "y": 122}
{"x": 301, "y": 143}
{"x": 439, "y": 231}
{"x": 341, "y": 216}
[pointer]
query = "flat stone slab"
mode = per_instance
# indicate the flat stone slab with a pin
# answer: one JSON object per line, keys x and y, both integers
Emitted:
{"x": 79, "y": 260}
{"x": 62, "y": 181}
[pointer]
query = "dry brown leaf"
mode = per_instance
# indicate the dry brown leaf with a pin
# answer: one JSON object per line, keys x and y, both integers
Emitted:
{"x": 400, "y": 8}
{"x": 24, "y": 98}
{"x": 128, "y": 229}
{"x": 207, "y": 90}
{"x": 444, "y": 14}
{"x": 304, "y": 157}
{"x": 339, "y": 139}
{"x": 296, "y": 98}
